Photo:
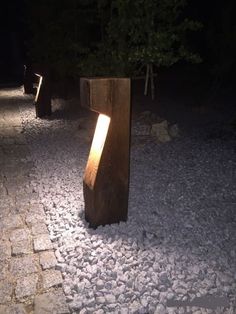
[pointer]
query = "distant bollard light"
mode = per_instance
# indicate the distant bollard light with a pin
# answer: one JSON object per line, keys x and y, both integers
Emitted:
{"x": 43, "y": 96}
{"x": 106, "y": 178}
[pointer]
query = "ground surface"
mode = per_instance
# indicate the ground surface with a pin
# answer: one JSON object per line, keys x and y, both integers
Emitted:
{"x": 177, "y": 252}
{"x": 29, "y": 282}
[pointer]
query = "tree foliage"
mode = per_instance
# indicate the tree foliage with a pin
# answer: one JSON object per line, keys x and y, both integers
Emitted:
{"x": 109, "y": 37}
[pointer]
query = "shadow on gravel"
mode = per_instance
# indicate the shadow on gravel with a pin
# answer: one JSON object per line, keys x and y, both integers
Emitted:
{"x": 207, "y": 302}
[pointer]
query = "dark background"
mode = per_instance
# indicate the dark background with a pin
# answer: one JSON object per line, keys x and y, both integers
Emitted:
{"x": 12, "y": 33}
{"x": 215, "y": 42}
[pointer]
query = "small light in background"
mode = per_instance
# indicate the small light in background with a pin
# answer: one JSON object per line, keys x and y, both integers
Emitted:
{"x": 43, "y": 96}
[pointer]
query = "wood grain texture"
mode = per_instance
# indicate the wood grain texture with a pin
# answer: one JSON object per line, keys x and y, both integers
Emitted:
{"x": 106, "y": 200}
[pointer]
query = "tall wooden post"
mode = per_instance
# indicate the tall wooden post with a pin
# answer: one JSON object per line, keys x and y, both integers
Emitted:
{"x": 106, "y": 178}
{"x": 43, "y": 96}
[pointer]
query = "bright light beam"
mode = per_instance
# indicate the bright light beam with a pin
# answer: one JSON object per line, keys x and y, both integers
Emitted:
{"x": 38, "y": 89}
{"x": 98, "y": 142}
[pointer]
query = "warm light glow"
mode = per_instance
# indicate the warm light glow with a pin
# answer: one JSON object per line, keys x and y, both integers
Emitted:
{"x": 38, "y": 89}
{"x": 100, "y": 133}
{"x": 96, "y": 149}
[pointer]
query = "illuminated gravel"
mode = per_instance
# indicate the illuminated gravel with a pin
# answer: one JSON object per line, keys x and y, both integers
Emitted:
{"x": 179, "y": 242}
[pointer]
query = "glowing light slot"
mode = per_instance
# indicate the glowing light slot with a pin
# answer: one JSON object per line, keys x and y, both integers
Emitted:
{"x": 38, "y": 89}
{"x": 98, "y": 142}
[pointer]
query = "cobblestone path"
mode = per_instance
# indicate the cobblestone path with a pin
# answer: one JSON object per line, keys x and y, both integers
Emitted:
{"x": 29, "y": 279}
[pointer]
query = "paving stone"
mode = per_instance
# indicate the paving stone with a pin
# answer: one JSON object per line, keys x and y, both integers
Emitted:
{"x": 21, "y": 266}
{"x": 8, "y": 140}
{"x": 16, "y": 151}
{"x": 33, "y": 197}
{"x": 21, "y": 209}
{"x": 37, "y": 208}
{"x": 11, "y": 164}
{"x": 3, "y": 191}
{"x": 20, "y": 140}
{"x": 4, "y": 211}
{"x": 23, "y": 199}
{"x": 3, "y": 270}
{"x": 10, "y": 171}
{"x": 16, "y": 183}
{"x": 10, "y": 132}
{"x": 22, "y": 204}
{"x": 51, "y": 278}
{"x": 47, "y": 260}
{"x": 11, "y": 222}
{"x": 39, "y": 228}
{"x": 5, "y": 291}
{"x": 3, "y": 235}
{"x": 33, "y": 218}
{"x": 22, "y": 247}
{"x": 42, "y": 242}
{"x": 13, "y": 119}
{"x": 51, "y": 303}
{"x": 13, "y": 309}
{"x": 14, "y": 188}
{"x": 5, "y": 250}
{"x": 26, "y": 286}
{"x": 19, "y": 235}
{"x": 7, "y": 201}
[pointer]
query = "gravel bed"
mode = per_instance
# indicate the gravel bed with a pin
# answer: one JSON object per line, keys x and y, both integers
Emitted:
{"x": 177, "y": 251}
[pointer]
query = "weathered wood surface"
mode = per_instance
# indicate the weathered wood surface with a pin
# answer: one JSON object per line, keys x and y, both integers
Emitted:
{"x": 106, "y": 193}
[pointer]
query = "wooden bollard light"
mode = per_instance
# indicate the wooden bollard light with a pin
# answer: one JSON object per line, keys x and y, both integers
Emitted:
{"x": 43, "y": 96}
{"x": 106, "y": 178}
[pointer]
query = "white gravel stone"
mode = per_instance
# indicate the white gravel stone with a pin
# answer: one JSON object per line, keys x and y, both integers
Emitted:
{"x": 144, "y": 302}
{"x": 160, "y": 309}
{"x": 180, "y": 224}
{"x": 100, "y": 300}
{"x": 100, "y": 311}
{"x": 121, "y": 298}
{"x": 110, "y": 298}
{"x": 100, "y": 284}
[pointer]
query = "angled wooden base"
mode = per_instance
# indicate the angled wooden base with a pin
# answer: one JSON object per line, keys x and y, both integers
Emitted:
{"x": 106, "y": 178}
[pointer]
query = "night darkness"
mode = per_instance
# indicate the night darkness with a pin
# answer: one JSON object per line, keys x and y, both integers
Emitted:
{"x": 13, "y": 34}
{"x": 137, "y": 213}
{"x": 213, "y": 41}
